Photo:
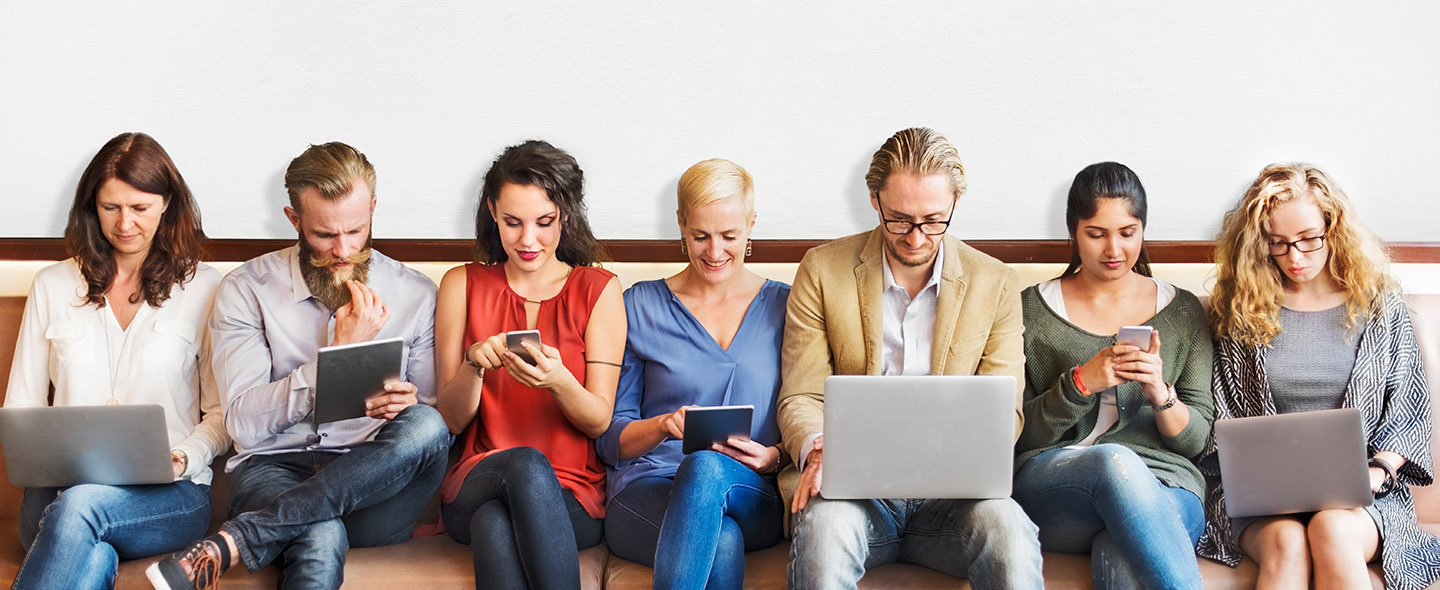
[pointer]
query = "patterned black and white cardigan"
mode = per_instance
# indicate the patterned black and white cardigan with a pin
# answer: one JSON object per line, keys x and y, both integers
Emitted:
{"x": 1388, "y": 386}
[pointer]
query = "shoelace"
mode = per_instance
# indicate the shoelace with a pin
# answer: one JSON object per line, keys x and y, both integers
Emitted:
{"x": 204, "y": 567}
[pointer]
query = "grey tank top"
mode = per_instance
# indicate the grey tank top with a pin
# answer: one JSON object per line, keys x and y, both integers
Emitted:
{"x": 1309, "y": 363}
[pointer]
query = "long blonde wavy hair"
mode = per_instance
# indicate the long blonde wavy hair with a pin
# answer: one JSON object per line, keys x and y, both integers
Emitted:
{"x": 1245, "y": 302}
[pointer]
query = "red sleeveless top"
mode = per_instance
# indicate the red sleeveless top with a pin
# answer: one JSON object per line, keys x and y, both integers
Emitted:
{"x": 513, "y": 415}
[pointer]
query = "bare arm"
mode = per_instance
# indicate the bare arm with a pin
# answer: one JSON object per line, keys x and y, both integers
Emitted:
{"x": 459, "y": 392}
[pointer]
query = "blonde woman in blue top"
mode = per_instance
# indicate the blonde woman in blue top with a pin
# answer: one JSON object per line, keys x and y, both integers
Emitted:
{"x": 708, "y": 336}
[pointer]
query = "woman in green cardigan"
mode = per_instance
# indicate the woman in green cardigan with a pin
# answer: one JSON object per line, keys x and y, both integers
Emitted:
{"x": 1103, "y": 465}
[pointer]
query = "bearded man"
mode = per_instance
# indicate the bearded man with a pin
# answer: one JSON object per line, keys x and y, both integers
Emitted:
{"x": 303, "y": 492}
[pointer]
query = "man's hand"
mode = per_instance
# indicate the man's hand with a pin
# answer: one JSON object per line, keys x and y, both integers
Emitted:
{"x": 361, "y": 319}
{"x": 398, "y": 396}
{"x": 809, "y": 485}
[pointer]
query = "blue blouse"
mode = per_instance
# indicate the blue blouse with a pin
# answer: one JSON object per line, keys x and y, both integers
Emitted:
{"x": 671, "y": 361}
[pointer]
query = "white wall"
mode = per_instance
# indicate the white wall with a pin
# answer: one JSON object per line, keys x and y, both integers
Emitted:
{"x": 1196, "y": 97}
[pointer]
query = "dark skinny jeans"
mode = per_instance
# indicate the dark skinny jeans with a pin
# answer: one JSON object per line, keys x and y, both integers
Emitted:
{"x": 524, "y": 530}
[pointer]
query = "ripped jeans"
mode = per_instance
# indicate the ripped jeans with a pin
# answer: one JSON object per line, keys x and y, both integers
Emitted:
{"x": 1104, "y": 500}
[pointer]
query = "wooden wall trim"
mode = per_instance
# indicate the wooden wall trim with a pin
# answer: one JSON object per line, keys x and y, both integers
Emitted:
{"x": 421, "y": 250}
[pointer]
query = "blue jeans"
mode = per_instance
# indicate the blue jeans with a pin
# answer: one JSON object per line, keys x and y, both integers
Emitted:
{"x": 524, "y": 530}
{"x": 1104, "y": 500}
{"x": 702, "y": 522}
{"x": 303, "y": 510}
{"x": 77, "y": 536}
{"x": 991, "y": 542}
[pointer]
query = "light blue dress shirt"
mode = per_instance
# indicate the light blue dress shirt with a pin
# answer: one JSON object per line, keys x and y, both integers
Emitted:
{"x": 267, "y": 329}
{"x": 672, "y": 361}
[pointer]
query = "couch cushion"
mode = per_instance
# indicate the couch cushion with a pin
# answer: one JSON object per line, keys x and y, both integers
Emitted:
{"x": 429, "y": 562}
{"x": 764, "y": 569}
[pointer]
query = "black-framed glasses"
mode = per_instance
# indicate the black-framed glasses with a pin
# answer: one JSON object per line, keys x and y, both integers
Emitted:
{"x": 1303, "y": 245}
{"x": 901, "y": 227}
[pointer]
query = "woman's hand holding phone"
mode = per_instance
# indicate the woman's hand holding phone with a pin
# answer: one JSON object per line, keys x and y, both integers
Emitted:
{"x": 1122, "y": 362}
{"x": 548, "y": 372}
{"x": 1145, "y": 367}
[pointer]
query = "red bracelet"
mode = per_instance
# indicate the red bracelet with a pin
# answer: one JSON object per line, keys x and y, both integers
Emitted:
{"x": 1075, "y": 377}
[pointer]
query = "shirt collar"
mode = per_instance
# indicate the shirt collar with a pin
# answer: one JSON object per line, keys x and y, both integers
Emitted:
{"x": 299, "y": 289}
{"x": 935, "y": 271}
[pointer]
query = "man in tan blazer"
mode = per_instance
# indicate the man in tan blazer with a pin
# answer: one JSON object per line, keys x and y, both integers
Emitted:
{"x": 904, "y": 298}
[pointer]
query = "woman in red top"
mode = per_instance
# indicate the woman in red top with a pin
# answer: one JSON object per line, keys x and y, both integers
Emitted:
{"x": 527, "y": 493}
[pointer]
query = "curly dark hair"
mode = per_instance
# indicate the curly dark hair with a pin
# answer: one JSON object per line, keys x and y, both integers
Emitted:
{"x": 537, "y": 163}
{"x": 139, "y": 161}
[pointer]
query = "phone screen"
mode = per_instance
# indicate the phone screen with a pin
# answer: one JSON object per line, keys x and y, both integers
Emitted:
{"x": 513, "y": 340}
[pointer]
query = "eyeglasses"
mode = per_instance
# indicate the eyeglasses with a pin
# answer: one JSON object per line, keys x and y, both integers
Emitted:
{"x": 1302, "y": 245}
{"x": 901, "y": 227}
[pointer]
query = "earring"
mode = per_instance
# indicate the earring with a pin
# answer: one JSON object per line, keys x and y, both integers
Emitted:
{"x": 682, "y": 248}
{"x": 747, "y": 247}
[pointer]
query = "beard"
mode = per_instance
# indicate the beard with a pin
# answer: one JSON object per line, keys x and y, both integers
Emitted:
{"x": 920, "y": 259}
{"x": 327, "y": 283}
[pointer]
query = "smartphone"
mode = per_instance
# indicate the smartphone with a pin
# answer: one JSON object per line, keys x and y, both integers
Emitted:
{"x": 513, "y": 340}
{"x": 1137, "y": 336}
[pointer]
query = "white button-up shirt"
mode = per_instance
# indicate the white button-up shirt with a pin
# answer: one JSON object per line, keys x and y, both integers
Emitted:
{"x": 157, "y": 359}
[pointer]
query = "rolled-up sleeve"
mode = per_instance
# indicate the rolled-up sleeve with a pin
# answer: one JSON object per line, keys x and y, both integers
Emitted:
{"x": 256, "y": 408}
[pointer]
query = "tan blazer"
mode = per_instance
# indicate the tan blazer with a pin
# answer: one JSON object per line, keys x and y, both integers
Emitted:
{"x": 833, "y": 327}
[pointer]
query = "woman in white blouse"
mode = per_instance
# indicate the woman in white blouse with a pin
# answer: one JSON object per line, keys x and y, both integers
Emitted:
{"x": 121, "y": 322}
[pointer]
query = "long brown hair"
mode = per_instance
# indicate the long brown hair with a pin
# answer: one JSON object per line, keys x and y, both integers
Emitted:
{"x": 139, "y": 161}
{"x": 537, "y": 163}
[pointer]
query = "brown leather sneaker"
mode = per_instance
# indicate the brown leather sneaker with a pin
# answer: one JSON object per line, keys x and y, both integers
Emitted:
{"x": 196, "y": 567}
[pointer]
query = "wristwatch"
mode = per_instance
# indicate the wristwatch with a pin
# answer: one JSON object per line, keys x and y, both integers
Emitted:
{"x": 1174, "y": 397}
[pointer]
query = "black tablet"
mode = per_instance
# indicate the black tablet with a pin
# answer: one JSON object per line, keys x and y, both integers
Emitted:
{"x": 349, "y": 374}
{"x": 707, "y": 426}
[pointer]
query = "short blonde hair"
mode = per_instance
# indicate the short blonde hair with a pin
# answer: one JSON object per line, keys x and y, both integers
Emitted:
{"x": 712, "y": 181}
{"x": 1249, "y": 286}
{"x": 329, "y": 167}
{"x": 921, "y": 151}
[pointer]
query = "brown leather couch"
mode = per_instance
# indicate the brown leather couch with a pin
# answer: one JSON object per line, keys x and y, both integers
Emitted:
{"x": 438, "y": 562}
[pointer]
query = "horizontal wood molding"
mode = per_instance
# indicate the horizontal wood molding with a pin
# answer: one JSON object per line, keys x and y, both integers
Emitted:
{"x": 422, "y": 250}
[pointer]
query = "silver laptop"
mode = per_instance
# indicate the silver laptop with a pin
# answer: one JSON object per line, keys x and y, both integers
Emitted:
{"x": 65, "y": 446}
{"x": 918, "y": 436}
{"x": 1291, "y": 463}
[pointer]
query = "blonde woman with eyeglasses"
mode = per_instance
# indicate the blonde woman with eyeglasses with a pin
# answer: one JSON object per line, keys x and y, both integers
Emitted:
{"x": 1307, "y": 318}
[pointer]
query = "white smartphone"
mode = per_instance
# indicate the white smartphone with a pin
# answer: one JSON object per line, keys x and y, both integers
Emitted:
{"x": 1137, "y": 336}
{"x": 513, "y": 340}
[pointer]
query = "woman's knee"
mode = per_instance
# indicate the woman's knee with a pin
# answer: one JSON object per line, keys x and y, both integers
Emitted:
{"x": 522, "y": 466}
{"x": 1281, "y": 543}
{"x": 77, "y": 510}
{"x": 1340, "y": 532}
{"x": 702, "y": 476}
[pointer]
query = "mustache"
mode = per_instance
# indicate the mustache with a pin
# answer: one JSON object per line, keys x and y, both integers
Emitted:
{"x": 325, "y": 260}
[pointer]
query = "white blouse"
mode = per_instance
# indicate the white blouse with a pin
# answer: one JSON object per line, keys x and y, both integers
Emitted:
{"x": 161, "y": 358}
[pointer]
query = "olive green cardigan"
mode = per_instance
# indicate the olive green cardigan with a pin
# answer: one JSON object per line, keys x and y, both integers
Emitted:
{"x": 1057, "y": 414}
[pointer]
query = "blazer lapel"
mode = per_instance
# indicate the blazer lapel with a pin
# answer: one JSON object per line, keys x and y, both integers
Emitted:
{"x": 947, "y": 306}
{"x": 870, "y": 284}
